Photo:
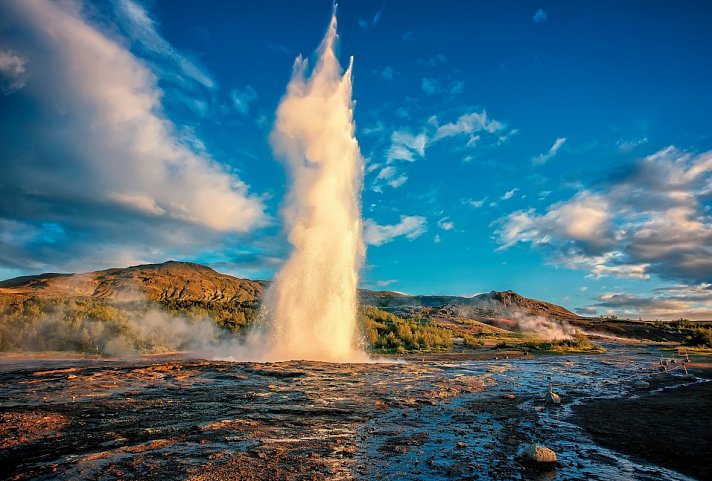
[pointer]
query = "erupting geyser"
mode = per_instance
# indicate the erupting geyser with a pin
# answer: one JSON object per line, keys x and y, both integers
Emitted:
{"x": 310, "y": 310}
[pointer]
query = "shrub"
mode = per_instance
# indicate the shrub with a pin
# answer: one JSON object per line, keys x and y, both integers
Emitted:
{"x": 472, "y": 341}
{"x": 701, "y": 337}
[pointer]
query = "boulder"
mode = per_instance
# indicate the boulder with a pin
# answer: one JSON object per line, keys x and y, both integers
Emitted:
{"x": 537, "y": 453}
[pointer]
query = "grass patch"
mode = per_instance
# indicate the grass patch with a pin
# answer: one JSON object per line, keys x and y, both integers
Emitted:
{"x": 387, "y": 333}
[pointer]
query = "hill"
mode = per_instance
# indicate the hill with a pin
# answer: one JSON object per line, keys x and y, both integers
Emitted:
{"x": 177, "y": 283}
{"x": 167, "y": 282}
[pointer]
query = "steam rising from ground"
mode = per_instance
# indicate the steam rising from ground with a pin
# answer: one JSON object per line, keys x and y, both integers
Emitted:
{"x": 112, "y": 329}
{"x": 542, "y": 327}
{"x": 311, "y": 308}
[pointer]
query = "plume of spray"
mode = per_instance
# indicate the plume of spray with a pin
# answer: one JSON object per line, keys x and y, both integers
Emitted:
{"x": 310, "y": 310}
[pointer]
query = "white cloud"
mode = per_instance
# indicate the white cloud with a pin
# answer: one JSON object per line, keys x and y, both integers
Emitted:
{"x": 628, "y": 145}
{"x": 117, "y": 164}
{"x": 682, "y": 300}
{"x": 509, "y": 194}
{"x": 543, "y": 158}
{"x": 142, "y": 29}
{"x": 242, "y": 98}
{"x": 539, "y": 16}
{"x": 406, "y": 146}
{"x": 410, "y": 226}
{"x": 391, "y": 176}
{"x": 446, "y": 224}
{"x": 13, "y": 73}
{"x": 652, "y": 219}
{"x": 467, "y": 124}
{"x": 475, "y": 203}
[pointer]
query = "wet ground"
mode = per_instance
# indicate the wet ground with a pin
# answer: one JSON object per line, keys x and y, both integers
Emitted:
{"x": 213, "y": 420}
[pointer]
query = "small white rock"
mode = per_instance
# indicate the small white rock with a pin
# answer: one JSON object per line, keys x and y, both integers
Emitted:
{"x": 641, "y": 385}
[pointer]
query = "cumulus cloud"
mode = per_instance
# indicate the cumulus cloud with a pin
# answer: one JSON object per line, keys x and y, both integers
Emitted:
{"x": 681, "y": 300}
{"x": 410, "y": 226}
{"x": 651, "y": 220}
{"x": 100, "y": 160}
{"x": 12, "y": 71}
{"x": 544, "y": 158}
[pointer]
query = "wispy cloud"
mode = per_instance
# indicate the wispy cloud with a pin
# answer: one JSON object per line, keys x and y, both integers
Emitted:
{"x": 539, "y": 16}
{"x": 142, "y": 29}
{"x": 410, "y": 227}
{"x": 406, "y": 146}
{"x": 13, "y": 73}
{"x": 432, "y": 86}
{"x": 467, "y": 124}
{"x": 475, "y": 203}
{"x": 544, "y": 158}
{"x": 509, "y": 194}
{"x": 446, "y": 224}
{"x": 387, "y": 72}
{"x": 366, "y": 23}
{"x": 242, "y": 98}
{"x": 630, "y": 144}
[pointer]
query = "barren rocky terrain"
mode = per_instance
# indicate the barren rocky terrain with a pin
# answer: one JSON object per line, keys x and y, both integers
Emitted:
{"x": 177, "y": 418}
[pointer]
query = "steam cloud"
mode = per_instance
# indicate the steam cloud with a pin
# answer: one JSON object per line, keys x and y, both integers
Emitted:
{"x": 311, "y": 308}
{"x": 118, "y": 330}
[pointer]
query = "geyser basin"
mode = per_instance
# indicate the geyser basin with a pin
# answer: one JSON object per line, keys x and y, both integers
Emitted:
{"x": 310, "y": 309}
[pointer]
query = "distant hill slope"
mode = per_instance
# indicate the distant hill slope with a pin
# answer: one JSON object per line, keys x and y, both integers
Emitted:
{"x": 170, "y": 281}
{"x": 493, "y": 304}
{"x": 184, "y": 281}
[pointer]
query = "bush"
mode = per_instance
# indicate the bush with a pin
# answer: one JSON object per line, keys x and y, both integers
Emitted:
{"x": 387, "y": 332}
{"x": 472, "y": 342}
{"x": 700, "y": 337}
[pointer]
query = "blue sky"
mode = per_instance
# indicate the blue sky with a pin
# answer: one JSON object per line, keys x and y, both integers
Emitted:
{"x": 560, "y": 149}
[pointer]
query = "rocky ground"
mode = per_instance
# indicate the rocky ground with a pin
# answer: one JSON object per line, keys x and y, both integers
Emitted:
{"x": 670, "y": 427}
{"x": 176, "y": 418}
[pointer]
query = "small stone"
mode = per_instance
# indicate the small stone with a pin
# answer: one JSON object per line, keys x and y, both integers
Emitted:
{"x": 641, "y": 385}
{"x": 552, "y": 398}
{"x": 509, "y": 396}
{"x": 538, "y": 454}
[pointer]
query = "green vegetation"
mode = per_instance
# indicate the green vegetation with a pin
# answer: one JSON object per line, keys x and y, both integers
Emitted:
{"x": 580, "y": 342}
{"x": 388, "y": 333}
{"x": 700, "y": 337}
{"x": 472, "y": 342}
{"x": 95, "y": 326}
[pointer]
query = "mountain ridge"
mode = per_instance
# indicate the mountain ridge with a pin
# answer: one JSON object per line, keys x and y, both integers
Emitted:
{"x": 175, "y": 281}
